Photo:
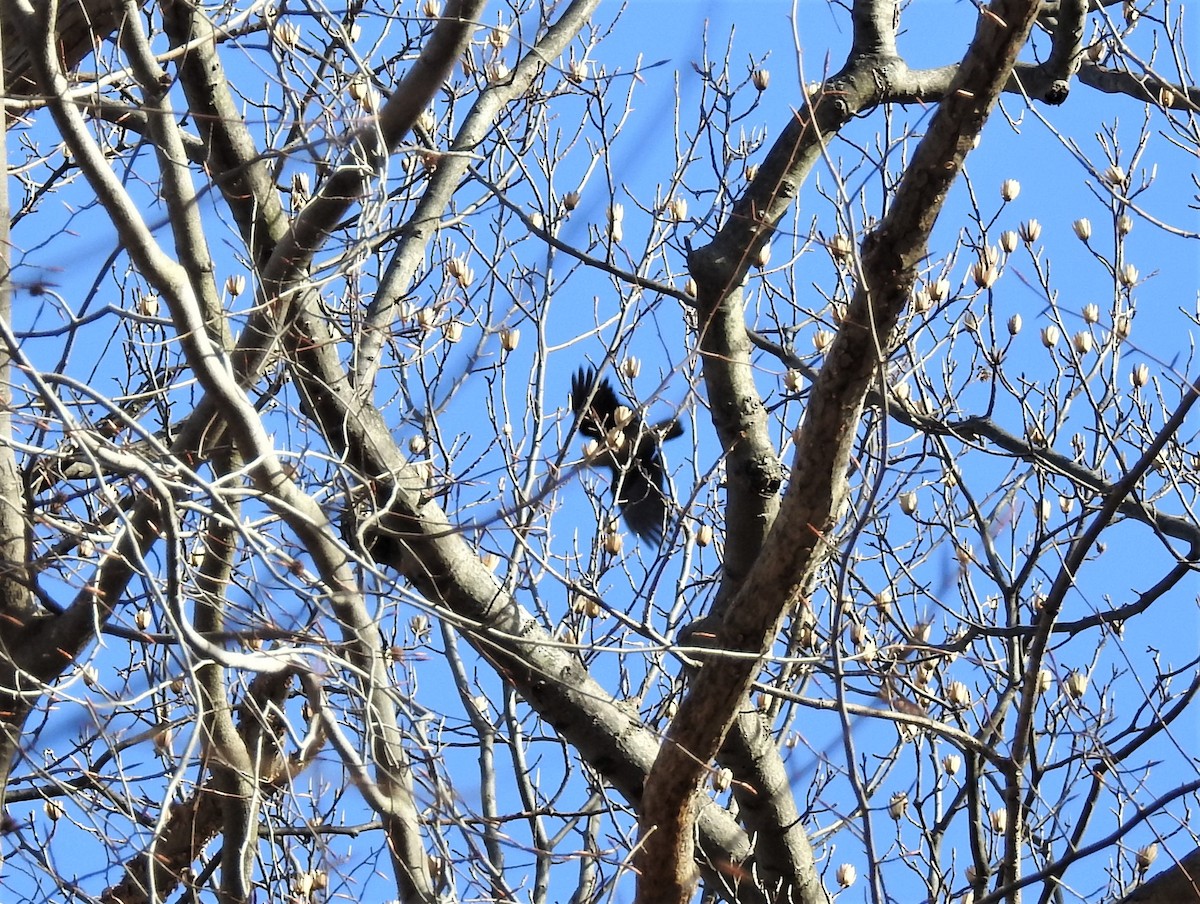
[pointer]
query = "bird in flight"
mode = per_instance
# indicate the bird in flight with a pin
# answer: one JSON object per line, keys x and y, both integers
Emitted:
{"x": 630, "y": 448}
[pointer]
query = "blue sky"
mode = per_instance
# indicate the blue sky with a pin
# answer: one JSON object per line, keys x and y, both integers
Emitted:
{"x": 1055, "y": 189}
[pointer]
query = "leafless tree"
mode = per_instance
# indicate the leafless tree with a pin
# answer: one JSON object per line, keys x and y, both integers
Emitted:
{"x": 337, "y": 342}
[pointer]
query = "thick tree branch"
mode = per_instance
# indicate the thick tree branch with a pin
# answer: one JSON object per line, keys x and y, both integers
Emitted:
{"x": 793, "y": 549}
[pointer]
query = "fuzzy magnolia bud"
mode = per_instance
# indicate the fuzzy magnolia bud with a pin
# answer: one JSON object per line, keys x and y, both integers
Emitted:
{"x": 984, "y": 274}
{"x": 458, "y": 270}
{"x": 510, "y": 339}
{"x": 958, "y": 694}
{"x": 1014, "y": 324}
{"x": 908, "y": 502}
{"x": 1083, "y": 228}
{"x": 846, "y": 874}
{"x": 704, "y": 535}
{"x": 613, "y": 542}
{"x": 1009, "y": 189}
{"x": 841, "y": 247}
{"x": 1122, "y": 326}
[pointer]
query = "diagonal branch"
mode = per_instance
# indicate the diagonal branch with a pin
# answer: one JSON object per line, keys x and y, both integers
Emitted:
{"x": 792, "y": 551}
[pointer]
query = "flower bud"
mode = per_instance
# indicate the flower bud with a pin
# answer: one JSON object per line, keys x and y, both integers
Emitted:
{"x": 1124, "y": 224}
{"x": 459, "y": 271}
{"x": 571, "y": 200}
{"x": 235, "y": 285}
{"x": 761, "y": 78}
{"x": 822, "y": 340}
{"x": 985, "y": 275}
{"x": 908, "y": 502}
{"x": 1009, "y": 189}
{"x": 1122, "y": 326}
{"x": 841, "y": 247}
{"x": 722, "y": 779}
{"x": 1077, "y": 683}
{"x": 148, "y": 305}
{"x": 1139, "y": 376}
{"x": 631, "y": 367}
{"x": 613, "y": 542}
{"x": 1082, "y": 342}
{"x": 704, "y": 535}
{"x": 1030, "y": 231}
{"x": 1009, "y": 240}
{"x": 898, "y": 804}
{"x": 497, "y": 73}
{"x": 1050, "y": 336}
{"x": 763, "y": 257}
{"x": 1083, "y": 228}
{"x": 958, "y": 694}
{"x": 1014, "y": 324}
{"x": 1115, "y": 176}
{"x": 510, "y": 338}
{"x": 678, "y": 208}
{"x": 286, "y": 35}
{"x": 999, "y": 820}
{"x": 1145, "y": 856}
{"x": 846, "y": 874}
{"x": 951, "y": 763}
{"x": 1128, "y": 275}
{"x": 1091, "y": 313}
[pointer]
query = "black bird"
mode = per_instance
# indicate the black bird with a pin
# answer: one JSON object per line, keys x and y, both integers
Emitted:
{"x": 629, "y": 448}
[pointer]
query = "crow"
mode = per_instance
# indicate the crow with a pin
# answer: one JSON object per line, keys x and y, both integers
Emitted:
{"x": 629, "y": 448}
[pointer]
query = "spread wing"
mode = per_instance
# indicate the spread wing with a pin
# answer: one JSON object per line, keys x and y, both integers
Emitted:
{"x": 596, "y": 419}
{"x": 637, "y": 472}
